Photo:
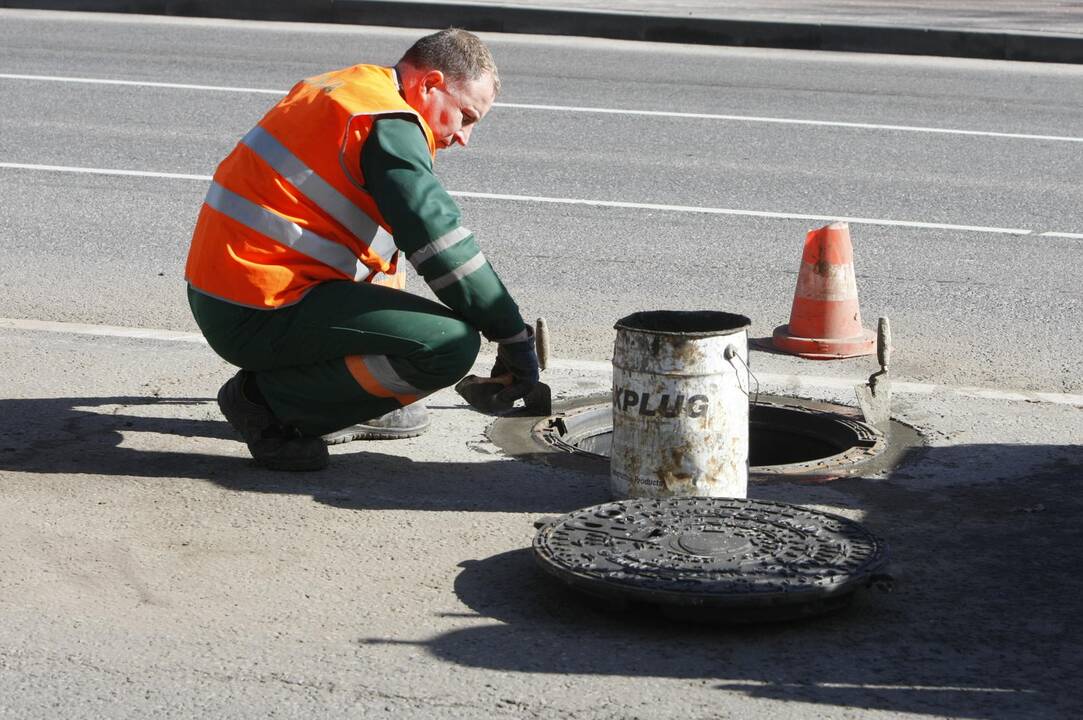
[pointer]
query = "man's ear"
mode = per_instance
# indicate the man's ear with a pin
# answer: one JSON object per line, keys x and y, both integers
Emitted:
{"x": 432, "y": 80}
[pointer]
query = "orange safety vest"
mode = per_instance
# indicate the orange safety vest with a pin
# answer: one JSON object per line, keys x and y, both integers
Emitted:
{"x": 287, "y": 209}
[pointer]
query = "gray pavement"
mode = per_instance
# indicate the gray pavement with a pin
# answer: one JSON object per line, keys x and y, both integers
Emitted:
{"x": 1039, "y": 31}
{"x": 151, "y": 571}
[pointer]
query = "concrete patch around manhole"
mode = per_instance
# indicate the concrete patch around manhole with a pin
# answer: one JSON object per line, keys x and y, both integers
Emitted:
{"x": 790, "y": 439}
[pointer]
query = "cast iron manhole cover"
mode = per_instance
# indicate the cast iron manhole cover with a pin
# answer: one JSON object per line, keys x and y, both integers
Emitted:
{"x": 712, "y": 559}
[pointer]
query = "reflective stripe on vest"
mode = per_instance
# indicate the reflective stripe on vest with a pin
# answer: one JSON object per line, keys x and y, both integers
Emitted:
{"x": 283, "y": 231}
{"x": 320, "y": 192}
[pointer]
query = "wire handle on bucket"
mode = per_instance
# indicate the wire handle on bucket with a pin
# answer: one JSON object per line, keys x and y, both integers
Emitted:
{"x": 729, "y": 354}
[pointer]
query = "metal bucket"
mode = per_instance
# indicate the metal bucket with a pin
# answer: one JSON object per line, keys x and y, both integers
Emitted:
{"x": 680, "y": 405}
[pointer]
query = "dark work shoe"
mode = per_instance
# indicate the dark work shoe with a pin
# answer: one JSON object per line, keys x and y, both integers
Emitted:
{"x": 248, "y": 418}
{"x": 284, "y": 448}
{"x": 406, "y": 422}
{"x": 272, "y": 444}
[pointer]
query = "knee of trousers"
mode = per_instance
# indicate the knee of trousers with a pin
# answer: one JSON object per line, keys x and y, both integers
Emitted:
{"x": 453, "y": 355}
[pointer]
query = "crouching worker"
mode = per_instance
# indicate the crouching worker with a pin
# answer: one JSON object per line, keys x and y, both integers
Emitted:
{"x": 295, "y": 273}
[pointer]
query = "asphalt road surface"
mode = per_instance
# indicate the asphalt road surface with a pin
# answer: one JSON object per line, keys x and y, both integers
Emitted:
{"x": 149, "y": 571}
{"x": 987, "y": 294}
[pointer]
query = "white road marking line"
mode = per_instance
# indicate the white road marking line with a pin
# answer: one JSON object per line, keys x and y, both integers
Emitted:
{"x": 792, "y": 121}
{"x": 1075, "y": 236}
{"x": 103, "y": 171}
{"x": 598, "y": 203}
{"x": 140, "y": 83}
{"x": 102, "y": 330}
{"x": 593, "y": 366}
{"x": 746, "y": 213}
{"x": 597, "y": 110}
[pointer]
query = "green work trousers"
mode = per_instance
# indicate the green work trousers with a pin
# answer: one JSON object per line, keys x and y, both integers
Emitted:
{"x": 312, "y": 360}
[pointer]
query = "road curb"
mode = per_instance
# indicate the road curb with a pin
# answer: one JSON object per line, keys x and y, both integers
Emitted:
{"x": 993, "y": 45}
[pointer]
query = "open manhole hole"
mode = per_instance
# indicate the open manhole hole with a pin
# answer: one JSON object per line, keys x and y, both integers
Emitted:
{"x": 788, "y": 437}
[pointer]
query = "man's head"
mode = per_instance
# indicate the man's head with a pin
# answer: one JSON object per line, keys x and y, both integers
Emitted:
{"x": 450, "y": 78}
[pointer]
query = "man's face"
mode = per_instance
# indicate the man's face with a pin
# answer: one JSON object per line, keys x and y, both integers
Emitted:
{"x": 452, "y": 109}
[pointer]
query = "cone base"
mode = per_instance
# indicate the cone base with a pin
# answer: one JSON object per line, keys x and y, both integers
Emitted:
{"x": 824, "y": 348}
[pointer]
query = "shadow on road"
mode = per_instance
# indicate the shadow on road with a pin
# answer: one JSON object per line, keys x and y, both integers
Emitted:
{"x": 986, "y": 540}
{"x": 87, "y": 436}
{"x": 982, "y": 623}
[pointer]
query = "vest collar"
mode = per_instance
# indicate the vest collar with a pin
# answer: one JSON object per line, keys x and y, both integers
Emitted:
{"x": 398, "y": 82}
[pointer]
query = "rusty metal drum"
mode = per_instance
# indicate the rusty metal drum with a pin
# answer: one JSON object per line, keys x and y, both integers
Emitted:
{"x": 680, "y": 405}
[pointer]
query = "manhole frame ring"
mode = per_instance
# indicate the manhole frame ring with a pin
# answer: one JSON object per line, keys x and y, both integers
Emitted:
{"x": 519, "y": 436}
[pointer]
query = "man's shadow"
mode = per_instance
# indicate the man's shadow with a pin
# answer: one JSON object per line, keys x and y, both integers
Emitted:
{"x": 983, "y": 625}
{"x": 97, "y": 436}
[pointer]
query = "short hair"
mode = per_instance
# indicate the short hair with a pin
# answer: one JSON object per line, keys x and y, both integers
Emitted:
{"x": 459, "y": 54}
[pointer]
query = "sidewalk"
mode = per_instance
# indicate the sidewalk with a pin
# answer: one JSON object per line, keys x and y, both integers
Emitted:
{"x": 1043, "y": 31}
{"x": 150, "y": 570}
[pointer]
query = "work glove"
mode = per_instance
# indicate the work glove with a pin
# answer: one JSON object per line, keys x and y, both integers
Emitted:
{"x": 520, "y": 360}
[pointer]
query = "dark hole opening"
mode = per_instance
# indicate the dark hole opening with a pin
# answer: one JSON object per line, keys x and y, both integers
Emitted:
{"x": 776, "y": 436}
{"x": 776, "y": 446}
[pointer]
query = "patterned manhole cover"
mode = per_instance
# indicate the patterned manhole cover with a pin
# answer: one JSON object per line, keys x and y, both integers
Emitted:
{"x": 712, "y": 559}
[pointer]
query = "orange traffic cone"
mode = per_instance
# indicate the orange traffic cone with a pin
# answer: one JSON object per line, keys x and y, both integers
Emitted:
{"x": 825, "y": 322}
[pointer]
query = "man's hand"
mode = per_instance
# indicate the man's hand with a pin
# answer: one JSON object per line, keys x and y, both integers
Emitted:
{"x": 520, "y": 360}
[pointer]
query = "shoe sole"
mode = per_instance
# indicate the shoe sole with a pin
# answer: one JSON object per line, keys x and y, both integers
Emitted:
{"x": 369, "y": 432}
